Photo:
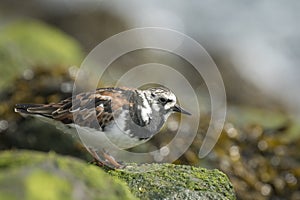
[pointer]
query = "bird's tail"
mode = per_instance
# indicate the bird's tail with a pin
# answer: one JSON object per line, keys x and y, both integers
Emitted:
{"x": 32, "y": 109}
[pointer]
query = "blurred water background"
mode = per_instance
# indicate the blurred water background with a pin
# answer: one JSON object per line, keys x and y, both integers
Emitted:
{"x": 255, "y": 45}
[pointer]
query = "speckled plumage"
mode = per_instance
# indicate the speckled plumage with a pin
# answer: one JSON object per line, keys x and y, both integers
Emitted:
{"x": 126, "y": 116}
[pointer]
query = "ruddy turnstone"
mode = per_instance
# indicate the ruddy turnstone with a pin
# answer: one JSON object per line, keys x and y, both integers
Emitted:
{"x": 126, "y": 116}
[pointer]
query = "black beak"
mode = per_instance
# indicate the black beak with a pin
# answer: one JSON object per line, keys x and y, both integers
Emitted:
{"x": 177, "y": 108}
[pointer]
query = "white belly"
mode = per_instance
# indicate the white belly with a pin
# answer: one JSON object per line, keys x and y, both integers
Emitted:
{"x": 111, "y": 139}
{"x": 105, "y": 140}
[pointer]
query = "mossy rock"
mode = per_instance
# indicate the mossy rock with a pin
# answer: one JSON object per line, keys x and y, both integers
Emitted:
{"x": 28, "y": 43}
{"x": 169, "y": 181}
{"x": 33, "y": 175}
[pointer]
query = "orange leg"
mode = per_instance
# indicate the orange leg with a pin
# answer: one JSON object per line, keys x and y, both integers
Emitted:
{"x": 109, "y": 160}
{"x": 112, "y": 161}
{"x": 96, "y": 157}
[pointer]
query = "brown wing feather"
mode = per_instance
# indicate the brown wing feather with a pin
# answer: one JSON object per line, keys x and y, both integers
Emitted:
{"x": 91, "y": 109}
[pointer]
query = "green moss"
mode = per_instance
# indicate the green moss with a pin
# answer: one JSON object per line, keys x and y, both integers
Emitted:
{"x": 41, "y": 183}
{"x": 28, "y": 43}
{"x": 7, "y": 196}
{"x": 168, "y": 181}
{"x": 35, "y": 175}
{"x": 48, "y": 176}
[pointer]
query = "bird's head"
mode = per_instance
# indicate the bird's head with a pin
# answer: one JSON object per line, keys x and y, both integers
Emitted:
{"x": 164, "y": 101}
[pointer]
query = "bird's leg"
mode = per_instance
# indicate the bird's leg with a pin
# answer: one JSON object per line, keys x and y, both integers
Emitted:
{"x": 109, "y": 160}
{"x": 112, "y": 161}
{"x": 97, "y": 159}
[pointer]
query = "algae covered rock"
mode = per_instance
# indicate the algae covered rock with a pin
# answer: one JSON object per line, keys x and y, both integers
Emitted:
{"x": 28, "y": 43}
{"x": 32, "y": 175}
{"x": 168, "y": 181}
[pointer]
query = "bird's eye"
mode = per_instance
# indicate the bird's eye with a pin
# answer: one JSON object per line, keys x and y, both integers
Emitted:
{"x": 162, "y": 100}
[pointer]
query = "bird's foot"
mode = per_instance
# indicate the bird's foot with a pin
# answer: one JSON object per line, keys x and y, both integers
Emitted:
{"x": 108, "y": 160}
{"x": 112, "y": 161}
